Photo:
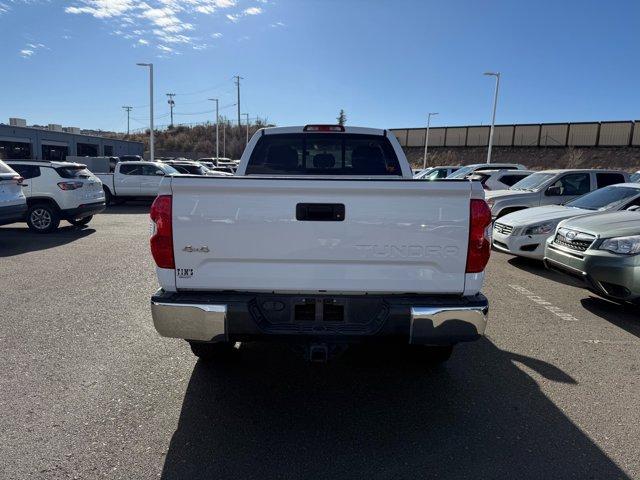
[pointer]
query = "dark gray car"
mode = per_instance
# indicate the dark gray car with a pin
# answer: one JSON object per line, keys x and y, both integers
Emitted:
{"x": 601, "y": 250}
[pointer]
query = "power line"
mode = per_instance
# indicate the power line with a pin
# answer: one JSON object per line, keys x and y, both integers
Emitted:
{"x": 238, "y": 78}
{"x": 128, "y": 109}
{"x": 197, "y": 92}
{"x": 171, "y": 103}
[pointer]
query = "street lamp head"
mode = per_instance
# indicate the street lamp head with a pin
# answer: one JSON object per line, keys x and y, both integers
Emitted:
{"x": 433, "y": 113}
{"x": 213, "y": 99}
{"x": 144, "y": 64}
{"x": 492, "y": 74}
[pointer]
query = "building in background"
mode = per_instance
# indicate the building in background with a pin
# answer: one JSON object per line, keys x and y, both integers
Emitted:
{"x": 17, "y": 141}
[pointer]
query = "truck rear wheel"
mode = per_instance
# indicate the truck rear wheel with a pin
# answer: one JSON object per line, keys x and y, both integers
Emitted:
{"x": 433, "y": 354}
{"x": 208, "y": 352}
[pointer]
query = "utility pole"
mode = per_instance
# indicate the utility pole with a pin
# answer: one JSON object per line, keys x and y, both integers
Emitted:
{"x": 247, "y": 117}
{"x": 151, "y": 134}
{"x": 171, "y": 105}
{"x": 224, "y": 139}
{"x": 217, "y": 134}
{"x": 238, "y": 78}
{"x": 128, "y": 109}
{"x": 495, "y": 105}
{"x": 426, "y": 140}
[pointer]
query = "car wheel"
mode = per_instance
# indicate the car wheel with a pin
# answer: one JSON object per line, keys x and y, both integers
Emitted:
{"x": 107, "y": 196}
{"x": 43, "y": 218}
{"x": 81, "y": 222}
{"x": 208, "y": 352}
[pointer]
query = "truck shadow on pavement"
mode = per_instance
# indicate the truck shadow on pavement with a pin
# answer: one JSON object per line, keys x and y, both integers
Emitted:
{"x": 626, "y": 317}
{"x": 16, "y": 241}
{"x": 371, "y": 414}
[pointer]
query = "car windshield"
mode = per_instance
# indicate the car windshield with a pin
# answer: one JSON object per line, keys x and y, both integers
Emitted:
{"x": 533, "y": 182}
{"x": 604, "y": 198}
{"x": 423, "y": 173}
{"x": 635, "y": 177}
{"x": 463, "y": 172}
{"x": 168, "y": 170}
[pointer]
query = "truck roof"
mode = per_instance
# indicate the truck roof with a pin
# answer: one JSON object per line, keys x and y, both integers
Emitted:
{"x": 301, "y": 129}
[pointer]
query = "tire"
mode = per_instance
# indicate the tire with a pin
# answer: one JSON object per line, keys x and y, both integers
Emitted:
{"x": 108, "y": 198}
{"x": 43, "y": 218}
{"x": 213, "y": 352}
{"x": 81, "y": 222}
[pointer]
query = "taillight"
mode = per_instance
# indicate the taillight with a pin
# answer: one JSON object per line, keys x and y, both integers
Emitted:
{"x": 479, "y": 236}
{"x": 162, "y": 238}
{"x": 70, "y": 185}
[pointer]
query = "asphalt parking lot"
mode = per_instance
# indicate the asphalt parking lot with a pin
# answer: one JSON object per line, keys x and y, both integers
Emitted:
{"x": 89, "y": 390}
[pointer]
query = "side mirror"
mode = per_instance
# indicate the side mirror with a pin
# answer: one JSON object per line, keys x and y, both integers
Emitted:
{"x": 633, "y": 208}
{"x": 553, "y": 191}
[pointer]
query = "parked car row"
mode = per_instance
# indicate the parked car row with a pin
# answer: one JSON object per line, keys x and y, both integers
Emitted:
{"x": 594, "y": 237}
{"x": 43, "y": 193}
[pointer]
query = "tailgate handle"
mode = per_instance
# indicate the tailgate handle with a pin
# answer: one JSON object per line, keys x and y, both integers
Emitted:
{"x": 320, "y": 212}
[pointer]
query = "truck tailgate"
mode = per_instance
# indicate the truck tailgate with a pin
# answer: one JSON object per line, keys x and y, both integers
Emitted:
{"x": 290, "y": 235}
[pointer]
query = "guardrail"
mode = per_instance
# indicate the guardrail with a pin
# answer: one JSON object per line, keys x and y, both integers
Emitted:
{"x": 581, "y": 134}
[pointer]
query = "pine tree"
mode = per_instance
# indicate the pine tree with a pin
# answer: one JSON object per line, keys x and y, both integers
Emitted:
{"x": 342, "y": 117}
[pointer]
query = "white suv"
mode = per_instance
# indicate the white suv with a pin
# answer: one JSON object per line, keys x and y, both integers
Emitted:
{"x": 58, "y": 191}
{"x": 13, "y": 204}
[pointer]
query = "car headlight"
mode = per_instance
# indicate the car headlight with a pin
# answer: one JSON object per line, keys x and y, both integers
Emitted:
{"x": 622, "y": 245}
{"x": 540, "y": 229}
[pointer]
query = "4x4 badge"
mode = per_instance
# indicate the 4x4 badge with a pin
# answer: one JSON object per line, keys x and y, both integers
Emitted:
{"x": 190, "y": 249}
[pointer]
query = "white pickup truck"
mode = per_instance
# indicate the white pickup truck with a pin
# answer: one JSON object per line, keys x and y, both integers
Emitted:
{"x": 322, "y": 239}
{"x": 131, "y": 180}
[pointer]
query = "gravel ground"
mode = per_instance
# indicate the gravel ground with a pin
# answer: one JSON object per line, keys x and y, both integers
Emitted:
{"x": 89, "y": 390}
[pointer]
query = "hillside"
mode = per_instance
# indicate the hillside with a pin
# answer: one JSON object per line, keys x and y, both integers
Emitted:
{"x": 200, "y": 140}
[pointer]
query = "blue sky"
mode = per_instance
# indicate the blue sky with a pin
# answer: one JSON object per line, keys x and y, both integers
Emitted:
{"x": 386, "y": 63}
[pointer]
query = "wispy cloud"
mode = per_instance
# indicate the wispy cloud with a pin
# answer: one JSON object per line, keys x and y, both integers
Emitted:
{"x": 252, "y": 11}
{"x": 234, "y": 17}
{"x": 156, "y": 22}
{"x": 277, "y": 25}
{"x": 31, "y": 48}
{"x": 168, "y": 21}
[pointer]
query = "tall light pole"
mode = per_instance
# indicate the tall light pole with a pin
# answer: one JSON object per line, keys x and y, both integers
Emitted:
{"x": 426, "y": 140}
{"x": 246, "y": 115}
{"x": 493, "y": 117}
{"x": 128, "y": 109}
{"x": 217, "y": 134}
{"x": 224, "y": 138}
{"x": 151, "y": 138}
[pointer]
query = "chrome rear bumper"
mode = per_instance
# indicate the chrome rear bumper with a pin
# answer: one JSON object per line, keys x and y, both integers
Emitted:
{"x": 190, "y": 321}
{"x": 217, "y": 316}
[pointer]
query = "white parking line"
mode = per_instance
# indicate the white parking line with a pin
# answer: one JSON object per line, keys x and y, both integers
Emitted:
{"x": 544, "y": 303}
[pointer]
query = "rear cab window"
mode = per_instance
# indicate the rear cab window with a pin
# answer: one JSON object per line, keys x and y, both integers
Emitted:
{"x": 323, "y": 154}
{"x": 606, "y": 179}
